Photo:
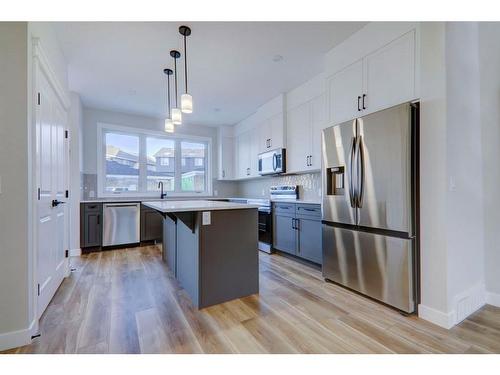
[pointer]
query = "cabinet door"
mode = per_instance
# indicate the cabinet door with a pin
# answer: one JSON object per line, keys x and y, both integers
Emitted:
{"x": 319, "y": 122}
{"x": 226, "y": 158}
{"x": 276, "y": 129}
{"x": 265, "y": 135}
{"x": 298, "y": 138}
{"x": 151, "y": 225}
{"x": 92, "y": 229}
{"x": 243, "y": 154}
{"x": 344, "y": 87}
{"x": 284, "y": 236}
{"x": 390, "y": 74}
{"x": 254, "y": 154}
{"x": 310, "y": 240}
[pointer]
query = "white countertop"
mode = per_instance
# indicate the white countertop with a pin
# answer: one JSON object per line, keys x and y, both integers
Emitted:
{"x": 195, "y": 205}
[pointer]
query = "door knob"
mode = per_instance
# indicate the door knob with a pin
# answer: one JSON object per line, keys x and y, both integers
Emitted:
{"x": 56, "y": 203}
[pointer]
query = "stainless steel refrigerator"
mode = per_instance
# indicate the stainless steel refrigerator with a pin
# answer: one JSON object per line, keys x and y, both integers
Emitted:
{"x": 370, "y": 197}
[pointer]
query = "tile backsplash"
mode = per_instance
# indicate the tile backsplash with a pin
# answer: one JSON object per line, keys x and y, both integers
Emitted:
{"x": 309, "y": 186}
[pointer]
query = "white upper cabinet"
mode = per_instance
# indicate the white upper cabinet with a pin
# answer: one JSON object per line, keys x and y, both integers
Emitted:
{"x": 298, "y": 138}
{"x": 389, "y": 74}
{"x": 319, "y": 122}
{"x": 381, "y": 79}
{"x": 226, "y": 153}
{"x": 243, "y": 160}
{"x": 345, "y": 90}
{"x": 304, "y": 125}
{"x": 271, "y": 127}
{"x": 226, "y": 159}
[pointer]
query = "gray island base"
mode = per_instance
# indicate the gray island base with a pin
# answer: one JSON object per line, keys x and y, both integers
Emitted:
{"x": 211, "y": 248}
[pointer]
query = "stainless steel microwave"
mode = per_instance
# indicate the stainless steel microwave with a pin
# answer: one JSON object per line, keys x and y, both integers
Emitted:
{"x": 272, "y": 162}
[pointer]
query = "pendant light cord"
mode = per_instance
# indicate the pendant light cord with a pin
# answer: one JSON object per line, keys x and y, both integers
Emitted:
{"x": 185, "y": 65}
{"x": 175, "y": 72}
{"x": 168, "y": 94}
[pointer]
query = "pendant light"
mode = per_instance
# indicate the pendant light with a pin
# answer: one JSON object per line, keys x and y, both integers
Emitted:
{"x": 169, "y": 125}
{"x": 186, "y": 99}
{"x": 176, "y": 111}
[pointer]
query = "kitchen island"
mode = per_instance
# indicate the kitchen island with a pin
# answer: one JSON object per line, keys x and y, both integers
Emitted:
{"x": 211, "y": 247}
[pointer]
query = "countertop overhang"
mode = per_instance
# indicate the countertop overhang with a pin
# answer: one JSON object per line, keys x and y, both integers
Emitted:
{"x": 195, "y": 205}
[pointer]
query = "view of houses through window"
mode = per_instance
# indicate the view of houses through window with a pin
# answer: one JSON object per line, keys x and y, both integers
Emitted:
{"x": 136, "y": 163}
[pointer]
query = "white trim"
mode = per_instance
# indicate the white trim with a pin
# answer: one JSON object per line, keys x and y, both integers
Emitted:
{"x": 44, "y": 64}
{"x": 75, "y": 252}
{"x": 130, "y": 130}
{"x": 445, "y": 320}
{"x": 468, "y": 302}
{"x": 493, "y": 299}
{"x": 15, "y": 339}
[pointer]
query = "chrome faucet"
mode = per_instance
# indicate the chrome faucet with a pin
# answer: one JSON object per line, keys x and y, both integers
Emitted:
{"x": 160, "y": 186}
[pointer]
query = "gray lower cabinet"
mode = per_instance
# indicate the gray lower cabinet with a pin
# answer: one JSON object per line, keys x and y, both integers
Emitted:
{"x": 90, "y": 225}
{"x": 151, "y": 224}
{"x": 284, "y": 238}
{"x": 297, "y": 230}
{"x": 310, "y": 239}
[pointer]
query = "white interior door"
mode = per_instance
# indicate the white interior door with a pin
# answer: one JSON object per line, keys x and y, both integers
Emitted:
{"x": 52, "y": 170}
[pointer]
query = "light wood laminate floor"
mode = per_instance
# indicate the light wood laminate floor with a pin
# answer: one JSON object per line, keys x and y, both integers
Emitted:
{"x": 126, "y": 301}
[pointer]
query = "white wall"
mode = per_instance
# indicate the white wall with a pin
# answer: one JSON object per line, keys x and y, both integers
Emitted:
{"x": 17, "y": 284}
{"x": 89, "y": 138}
{"x": 464, "y": 172}
{"x": 433, "y": 241}
{"x": 489, "y": 60}
{"x": 14, "y": 218}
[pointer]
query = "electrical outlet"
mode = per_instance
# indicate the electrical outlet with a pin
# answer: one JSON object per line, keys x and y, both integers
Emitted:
{"x": 263, "y": 192}
{"x": 216, "y": 193}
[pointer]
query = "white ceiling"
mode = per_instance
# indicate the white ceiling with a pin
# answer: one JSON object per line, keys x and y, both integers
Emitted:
{"x": 119, "y": 65}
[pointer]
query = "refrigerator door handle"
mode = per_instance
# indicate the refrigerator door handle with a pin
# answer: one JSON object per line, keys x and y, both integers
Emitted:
{"x": 360, "y": 171}
{"x": 352, "y": 192}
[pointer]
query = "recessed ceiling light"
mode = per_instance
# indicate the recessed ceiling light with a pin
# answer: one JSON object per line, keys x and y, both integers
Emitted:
{"x": 132, "y": 92}
{"x": 216, "y": 109}
{"x": 277, "y": 58}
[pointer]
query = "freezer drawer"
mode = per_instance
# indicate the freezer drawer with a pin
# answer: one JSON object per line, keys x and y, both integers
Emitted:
{"x": 121, "y": 224}
{"x": 375, "y": 265}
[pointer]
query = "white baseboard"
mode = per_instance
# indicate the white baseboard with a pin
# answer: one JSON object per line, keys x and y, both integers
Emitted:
{"x": 469, "y": 301}
{"x": 14, "y": 339}
{"x": 75, "y": 252}
{"x": 493, "y": 299}
{"x": 445, "y": 320}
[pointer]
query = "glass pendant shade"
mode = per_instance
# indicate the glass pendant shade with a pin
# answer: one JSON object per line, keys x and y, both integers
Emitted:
{"x": 169, "y": 125}
{"x": 186, "y": 103}
{"x": 176, "y": 116}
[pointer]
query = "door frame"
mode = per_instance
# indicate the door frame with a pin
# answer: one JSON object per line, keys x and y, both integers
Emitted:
{"x": 40, "y": 64}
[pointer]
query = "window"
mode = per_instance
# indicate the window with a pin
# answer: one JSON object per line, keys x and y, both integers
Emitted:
{"x": 133, "y": 162}
{"x": 193, "y": 171}
{"x": 158, "y": 152}
{"x": 122, "y": 163}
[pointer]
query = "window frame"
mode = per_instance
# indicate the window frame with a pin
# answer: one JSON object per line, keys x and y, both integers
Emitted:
{"x": 103, "y": 128}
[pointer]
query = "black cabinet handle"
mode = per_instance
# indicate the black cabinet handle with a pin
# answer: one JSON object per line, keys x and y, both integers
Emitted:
{"x": 98, "y": 219}
{"x": 310, "y": 160}
{"x": 297, "y": 224}
{"x": 359, "y": 98}
{"x": 364, "y": 96}
{"x": 293, "y": 223}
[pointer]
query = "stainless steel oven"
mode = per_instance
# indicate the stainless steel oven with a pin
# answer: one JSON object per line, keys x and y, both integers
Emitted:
{"x": 265, "y": 221}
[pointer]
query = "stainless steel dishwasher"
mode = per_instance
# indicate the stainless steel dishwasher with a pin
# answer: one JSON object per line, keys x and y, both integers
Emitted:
{"x": 121, "y": 223}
